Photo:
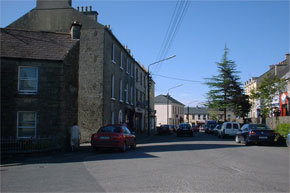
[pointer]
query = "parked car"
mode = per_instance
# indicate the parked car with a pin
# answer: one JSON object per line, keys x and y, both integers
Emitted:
{"x": 195, "y": 128}
{"x": 184, "y": 129}
{"x": 113, "y": 136}
{"x": 217, "y": 129}
{"x": 209, "y": 126}
{"x": 229, "y": 129}
{"x": 254, "y": 134}
{"x": 172, "y": 128}
{"x": 164, "y": 129}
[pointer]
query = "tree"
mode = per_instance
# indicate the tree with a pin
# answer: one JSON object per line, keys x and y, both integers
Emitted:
{"x": 266, "y": 91}
{"x": 225, "y": 88}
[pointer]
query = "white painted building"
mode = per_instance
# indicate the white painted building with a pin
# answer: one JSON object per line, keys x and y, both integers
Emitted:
{"x": 168, "y": 110}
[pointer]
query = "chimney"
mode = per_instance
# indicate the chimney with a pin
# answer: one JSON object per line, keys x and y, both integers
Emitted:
{"x": 75, "y": 30}
{"x": 53, "y": 4}
{"x": 91, "y": 14}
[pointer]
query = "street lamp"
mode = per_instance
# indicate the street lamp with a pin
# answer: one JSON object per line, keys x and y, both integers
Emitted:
{"x": 168, "y": 98}
{"x": 148, "y": 89}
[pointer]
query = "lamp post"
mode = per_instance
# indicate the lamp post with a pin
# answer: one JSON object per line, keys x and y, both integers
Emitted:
{"x": 148, "y": 89}
{"x": 168, "y": 98}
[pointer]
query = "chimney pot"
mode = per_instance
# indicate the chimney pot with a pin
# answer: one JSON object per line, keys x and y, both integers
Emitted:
{"x": 82, "y": 8}
{"x": 86, "y": 9}
{"x": 90, "y": 8}
{"x": 78, "y": 8}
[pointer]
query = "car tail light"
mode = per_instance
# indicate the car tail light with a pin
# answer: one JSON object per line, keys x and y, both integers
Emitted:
{"x": 252, "y": 133}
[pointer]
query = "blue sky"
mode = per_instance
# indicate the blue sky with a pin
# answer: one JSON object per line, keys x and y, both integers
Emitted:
{"x": 256, "y": 32}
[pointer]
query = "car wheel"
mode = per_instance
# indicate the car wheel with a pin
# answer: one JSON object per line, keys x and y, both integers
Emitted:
{"x": 134, "y": 145}
{"x": 124, "y": 147}
{"x": 237, "y": 139}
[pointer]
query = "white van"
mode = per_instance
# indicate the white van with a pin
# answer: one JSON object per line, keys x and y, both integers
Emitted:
{"x": 229, "y": 129}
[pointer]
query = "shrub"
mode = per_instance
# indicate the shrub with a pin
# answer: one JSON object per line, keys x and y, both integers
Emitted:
{"x": 283, "y": 129}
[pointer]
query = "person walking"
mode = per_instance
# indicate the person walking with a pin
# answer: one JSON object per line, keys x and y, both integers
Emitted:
{"x": 75, "y": 137}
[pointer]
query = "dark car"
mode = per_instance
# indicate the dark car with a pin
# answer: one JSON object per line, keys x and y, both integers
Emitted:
{"x": 209, "y": 126}
{"x": 254, "y": 134}
{"x": 164, "y": 129}
{"x": 184, "y": 129}
{"x": 113, "y": 136}
{"x": 195, "y": 128}
{"x": 217, "y": 129}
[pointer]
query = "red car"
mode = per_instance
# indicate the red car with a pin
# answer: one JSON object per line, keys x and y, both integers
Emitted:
{"x": 113, "y": 136}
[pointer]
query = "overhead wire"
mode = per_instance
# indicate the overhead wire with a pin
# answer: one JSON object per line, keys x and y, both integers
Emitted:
{"x": 179, "y": 13}
{"x": 173, "y": 78}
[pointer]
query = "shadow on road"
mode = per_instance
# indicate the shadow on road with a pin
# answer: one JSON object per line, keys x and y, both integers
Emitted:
{"x": 144, "y": 151}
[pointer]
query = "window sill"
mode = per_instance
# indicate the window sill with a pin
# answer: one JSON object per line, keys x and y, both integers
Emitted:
{"x": 27, "y": 93}
{"x": 121, "y": 68}
{"x": 113, "y": 99}
{"x": 113, "y": 61}
{"x": 121, "y": 101}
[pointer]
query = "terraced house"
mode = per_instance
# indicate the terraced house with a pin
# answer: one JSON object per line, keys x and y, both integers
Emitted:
{"x": 39, "y": 84}
{"x": 106, "y": 75}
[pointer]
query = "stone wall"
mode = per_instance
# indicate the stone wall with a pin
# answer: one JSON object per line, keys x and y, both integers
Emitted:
{"x": 273, "y": 122}
{"x": 53, "y": 94}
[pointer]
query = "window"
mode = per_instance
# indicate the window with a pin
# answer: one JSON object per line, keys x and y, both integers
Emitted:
{"x": 141, "y": 78}
{"x": 27, "y": 80}
{"x": 113, "y": 88}
{"x": 120, "y": 117}
{"x": 204, "y": 117}
{"x": 136, "y": 74}
{"x": 126, "y": 93}
{"x": 127, "y": 66}
{"x": 113, "y": 53}
{"x": 26, "y": 124}
{"x": 122, "y": 61}
{"x": 229, "y": 126}
{"x": 121, "y": 90}
{"x": 198, "y": 117}
{"x": 137, "y": 99}
{"x": 132, "y": 69}
{"x": 132, "y": 94}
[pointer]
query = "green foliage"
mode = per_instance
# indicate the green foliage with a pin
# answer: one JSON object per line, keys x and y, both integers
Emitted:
{"x": 283, "y": 129}
{"x": 266, "y": 91}
{"x": 225, "y": 89}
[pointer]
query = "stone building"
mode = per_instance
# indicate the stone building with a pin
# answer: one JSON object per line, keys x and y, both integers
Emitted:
{"x": 106, "y": 67}
{"x": 168, "y": 110}
{"x": 280, "y": 70}
{"x": 39, "y": 83}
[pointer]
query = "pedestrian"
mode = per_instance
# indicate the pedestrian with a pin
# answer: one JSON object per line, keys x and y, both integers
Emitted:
{"x": 75, "y": 137}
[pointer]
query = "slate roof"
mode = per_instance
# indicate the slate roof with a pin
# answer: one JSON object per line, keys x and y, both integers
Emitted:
{"x": 196, "y": 110}
{"x": 162, "y": 99}
{"x": 40, "y": 45}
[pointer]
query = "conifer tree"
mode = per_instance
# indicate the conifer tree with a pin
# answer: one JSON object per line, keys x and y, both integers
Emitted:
{"x": 225, "y": 89}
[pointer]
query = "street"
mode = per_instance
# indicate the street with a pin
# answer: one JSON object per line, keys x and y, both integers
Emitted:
{"x": 203, "y": 163}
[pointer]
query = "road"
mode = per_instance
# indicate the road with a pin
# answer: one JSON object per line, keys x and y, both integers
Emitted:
{"x": 202, "y": 163}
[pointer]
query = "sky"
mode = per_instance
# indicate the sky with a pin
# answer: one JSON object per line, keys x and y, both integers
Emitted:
{"x": 256, "y": 33}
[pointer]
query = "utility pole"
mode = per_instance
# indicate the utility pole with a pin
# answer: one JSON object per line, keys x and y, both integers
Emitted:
{"x": 148, "y": 90}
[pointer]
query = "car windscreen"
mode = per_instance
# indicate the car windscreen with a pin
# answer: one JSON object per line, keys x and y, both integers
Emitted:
{"x": 259, "y": 127}
{"x": 110, "y": 129}
{"x": 184, "y": 126}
